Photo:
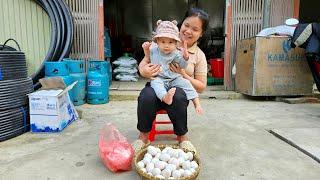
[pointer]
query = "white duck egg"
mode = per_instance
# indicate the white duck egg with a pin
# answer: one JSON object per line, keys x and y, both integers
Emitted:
{"x": 160, "y": 164}
{"x": 190, "y": 156}
{"x": 156, "y": 171}
{"x": 194, "y": 164}
{"x": 166, "y": 173}
{"x": 164, "y": 151}
{"x": 146, "y": 160}
{"x": 170, "y": 160}
{"x": 150, "y": 167}
{"x": 187, "y": 173}
{"x": 152, "y": 150}
{"x": 158, "y": 155}
{"x": 155, "y": 160}
{"x": 147, "y": 155}
{"x": 168, "y": 149}
{"x": 186, "y": 165}
{"x": 180, "y": 160}
{"x": 158, "y": 150}
{"x": 176, "y": 174}
{"x": 172, "y": 167}
{"x": 164, "y": 157}
{"x": 150, "y": 147}
{"x": 175, "y": 162}
{"x": 140, "y": 164}
{"x": 181, "y": 171}
{"x": 192, "y": 170}
{"x": 180, "y": 151}
{"x": 175, "y": 153}
{"x": 181, "y": 154}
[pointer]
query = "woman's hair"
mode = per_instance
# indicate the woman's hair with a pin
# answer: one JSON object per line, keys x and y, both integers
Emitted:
{"x": 202, "y": 15}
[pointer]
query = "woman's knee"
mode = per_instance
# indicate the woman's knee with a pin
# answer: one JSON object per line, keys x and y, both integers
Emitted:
{"x": 147, "y": 96}
{"x": 180, "y": 97}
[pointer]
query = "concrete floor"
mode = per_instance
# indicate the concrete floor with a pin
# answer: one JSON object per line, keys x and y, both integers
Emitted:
{"x": 232, "y": 137}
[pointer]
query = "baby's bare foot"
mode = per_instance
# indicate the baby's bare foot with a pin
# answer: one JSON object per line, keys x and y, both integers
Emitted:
{"x": 169, "y": 96}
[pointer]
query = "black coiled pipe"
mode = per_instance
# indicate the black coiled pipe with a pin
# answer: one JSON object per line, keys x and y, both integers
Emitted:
{"x": 62, "y": 31}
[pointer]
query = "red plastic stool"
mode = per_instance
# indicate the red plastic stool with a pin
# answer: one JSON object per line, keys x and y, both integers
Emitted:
{"x": 154, "y": 130}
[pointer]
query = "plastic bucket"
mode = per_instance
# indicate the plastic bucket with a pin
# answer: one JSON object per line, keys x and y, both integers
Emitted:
{"x": 217, "y": 67}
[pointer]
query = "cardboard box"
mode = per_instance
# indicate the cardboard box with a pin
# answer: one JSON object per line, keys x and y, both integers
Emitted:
{"x": 268, "y": 66}
{"x": 51, "y": 110}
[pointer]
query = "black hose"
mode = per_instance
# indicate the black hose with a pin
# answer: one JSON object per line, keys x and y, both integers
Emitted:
{"x": 14, "y": 122}
{"x": 61, "y": 34}
{"x": 70, "y": 29}
{"x": 12, "y": 65}
{"x": 13, "y": 93}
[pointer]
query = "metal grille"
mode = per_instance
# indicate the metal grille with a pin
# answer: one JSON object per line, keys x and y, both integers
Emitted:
{"x": 247, "y": 21}
{"x": 280, "y": 11}
{"x": 86, "y": 24}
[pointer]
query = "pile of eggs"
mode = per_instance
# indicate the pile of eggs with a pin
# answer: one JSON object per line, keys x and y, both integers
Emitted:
{"x": 169, "y": 163}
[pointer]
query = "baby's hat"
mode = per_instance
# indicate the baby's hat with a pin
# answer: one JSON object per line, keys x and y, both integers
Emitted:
{"x": 167, "y": 29}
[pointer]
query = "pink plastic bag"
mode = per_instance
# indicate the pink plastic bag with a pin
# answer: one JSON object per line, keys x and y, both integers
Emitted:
{"x": 115, "y": 151}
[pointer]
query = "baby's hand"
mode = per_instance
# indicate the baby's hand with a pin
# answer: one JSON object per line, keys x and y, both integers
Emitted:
{"x": 185, "y": 52}
{"x": 146, "y": 47}
{"x": 199, "y": 110}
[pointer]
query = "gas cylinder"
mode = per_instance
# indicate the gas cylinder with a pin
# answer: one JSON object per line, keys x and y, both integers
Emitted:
{"x": 97, "y": 83}
{"x": 77, "y": 73}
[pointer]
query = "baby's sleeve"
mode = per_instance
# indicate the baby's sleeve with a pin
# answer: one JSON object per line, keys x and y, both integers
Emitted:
{"x": 153, "y": 48}
{"x": 180, "y": 60}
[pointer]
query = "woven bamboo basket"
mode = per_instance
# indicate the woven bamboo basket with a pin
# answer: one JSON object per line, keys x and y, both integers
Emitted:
{"x": 139, "y": 156}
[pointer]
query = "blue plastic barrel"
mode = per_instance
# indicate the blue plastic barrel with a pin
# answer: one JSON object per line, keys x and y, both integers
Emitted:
{"x": 98, "y": 83}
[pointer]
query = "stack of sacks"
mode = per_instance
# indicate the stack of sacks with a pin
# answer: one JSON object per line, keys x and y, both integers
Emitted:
{"x": 126, "y": 69}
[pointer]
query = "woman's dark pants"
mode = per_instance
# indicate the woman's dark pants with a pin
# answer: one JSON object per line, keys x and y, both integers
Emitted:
{"x": 149, "y": 104}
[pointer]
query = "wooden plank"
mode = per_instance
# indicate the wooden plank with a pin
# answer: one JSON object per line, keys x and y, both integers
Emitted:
{"x": 101, "y": 30}
{"x": 227, "y": 61}
{"x": 296, "y": 8}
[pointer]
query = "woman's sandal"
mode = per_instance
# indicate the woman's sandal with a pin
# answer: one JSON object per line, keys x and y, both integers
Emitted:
{"x": 188, "y": 146}
{"x": 138, "y": 144}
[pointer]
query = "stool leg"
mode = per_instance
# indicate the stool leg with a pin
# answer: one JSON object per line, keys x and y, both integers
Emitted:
{"x": 153, "y": 131}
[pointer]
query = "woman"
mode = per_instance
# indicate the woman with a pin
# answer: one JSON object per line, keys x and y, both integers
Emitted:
{"x": 192, "y": 28}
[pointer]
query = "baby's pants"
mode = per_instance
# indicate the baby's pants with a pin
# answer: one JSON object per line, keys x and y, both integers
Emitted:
{"x": 161, "y": 86}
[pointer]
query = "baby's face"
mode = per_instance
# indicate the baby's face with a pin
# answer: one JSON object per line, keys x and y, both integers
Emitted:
{"x": 166, "y": 45}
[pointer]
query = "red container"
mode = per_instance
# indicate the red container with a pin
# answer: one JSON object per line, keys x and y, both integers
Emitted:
{"x": 217, "y": 67}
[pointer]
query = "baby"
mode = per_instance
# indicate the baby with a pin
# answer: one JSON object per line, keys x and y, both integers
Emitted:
{"x": 165, "y": 52}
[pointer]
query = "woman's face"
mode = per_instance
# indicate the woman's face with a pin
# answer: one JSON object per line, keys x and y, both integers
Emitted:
{"x": 191, "y": 30}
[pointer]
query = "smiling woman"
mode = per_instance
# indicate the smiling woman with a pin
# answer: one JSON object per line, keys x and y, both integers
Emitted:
{"x": 193, "y": 26}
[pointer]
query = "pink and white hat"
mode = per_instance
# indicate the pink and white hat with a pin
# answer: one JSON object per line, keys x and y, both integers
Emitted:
{"x": 167, "y": 29}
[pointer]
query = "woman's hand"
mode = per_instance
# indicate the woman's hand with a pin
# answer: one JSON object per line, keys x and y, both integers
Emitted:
{"x": 185, "y": 52}
{"x": 150, "y": 70}
{"x": 174, "y": 67}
